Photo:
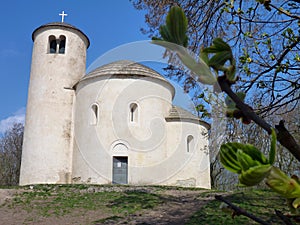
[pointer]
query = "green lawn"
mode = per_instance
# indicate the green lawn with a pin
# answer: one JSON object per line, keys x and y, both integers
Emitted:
{"x": 260, "y": 203}
{"x": 119, "y": 202}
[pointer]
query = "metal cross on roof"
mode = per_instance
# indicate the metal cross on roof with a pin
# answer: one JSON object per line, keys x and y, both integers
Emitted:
{"x": 63, "y": 14}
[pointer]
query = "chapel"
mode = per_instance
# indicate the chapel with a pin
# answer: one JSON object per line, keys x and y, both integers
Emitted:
{"x": 113, "y": 125}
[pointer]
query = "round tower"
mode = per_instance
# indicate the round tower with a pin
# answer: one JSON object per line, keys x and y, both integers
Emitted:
{"x": 58, "y": 63}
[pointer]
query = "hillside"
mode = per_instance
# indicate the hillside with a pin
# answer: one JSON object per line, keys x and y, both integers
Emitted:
{"x": 88, "y": 204}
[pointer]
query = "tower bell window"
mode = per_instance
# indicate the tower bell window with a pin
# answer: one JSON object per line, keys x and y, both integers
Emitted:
{"x": 57, "y": 45}
{"x": 62, "y": 44}
{"x": 52, "y": 44}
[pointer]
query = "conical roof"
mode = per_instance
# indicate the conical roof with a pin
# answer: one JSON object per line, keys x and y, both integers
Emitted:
{"x": 124, "y": 67}
{"x": 177, "y": 113}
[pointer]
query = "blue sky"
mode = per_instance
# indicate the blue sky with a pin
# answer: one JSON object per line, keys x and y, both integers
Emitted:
{"x": 108, "y": 24}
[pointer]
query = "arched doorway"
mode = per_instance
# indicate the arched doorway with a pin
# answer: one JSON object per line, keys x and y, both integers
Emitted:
{"x": 120, "y": 164}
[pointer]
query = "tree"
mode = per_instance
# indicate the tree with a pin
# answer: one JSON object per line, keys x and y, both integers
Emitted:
{"x": 264, "y": 37}
{"x": 235, "y": 131}
{"x": 216, "y": 66}
{"x": 263, "y": 34}
{"x": 10, "y": 155}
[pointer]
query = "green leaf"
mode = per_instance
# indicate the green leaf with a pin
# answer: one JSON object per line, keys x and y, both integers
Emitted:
{"x": 230, "y": 74}
{"x": 221, "y": 45}
{"x": 296, "y": 203}
{"x": 251, "y": 151}
{"x": 211, "y": 49}
{"x": 228, "y": 159}
{"x": 272, "y": 153}
{"x": 255, "y": 154}
{"x": 279, "y": 182}
{"x": 204, "y": 56}
{"x": 165, "y": 33}
{"x": 254, "y": 175}
{"x": 176, "y": 27}
{"x": 220, "y": 58}
{"x": 228, "y": 165}
{"x": 218, "y": 46}
{"x": 246, "y": 160}
{"x": 200, "y": 68}
{"x": 222, "y": 53}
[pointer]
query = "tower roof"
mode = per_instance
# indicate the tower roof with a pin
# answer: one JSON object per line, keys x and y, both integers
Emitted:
{"x": 60, "y": 25}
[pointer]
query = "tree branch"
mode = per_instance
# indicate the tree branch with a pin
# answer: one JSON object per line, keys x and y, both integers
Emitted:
{"x": 247, "y": 111}
{"x": 283, "y": 135}
{"x": 287, "y": 13}
{"x": 240, "y": 211}
{"x": 285, "y": 219}
{"x": 287, "y": 49}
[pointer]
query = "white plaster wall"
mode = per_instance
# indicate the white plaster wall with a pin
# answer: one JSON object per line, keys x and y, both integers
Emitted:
{"x": 47, "y": 145}
{"x": 156, "y": 149}
{"x": 193, "y": 166}
{"x": 145, "y": 138}
{"x": 176, "y": 166}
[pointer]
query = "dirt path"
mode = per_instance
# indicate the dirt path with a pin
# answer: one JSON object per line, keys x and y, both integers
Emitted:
{"x": 177, "y": 207}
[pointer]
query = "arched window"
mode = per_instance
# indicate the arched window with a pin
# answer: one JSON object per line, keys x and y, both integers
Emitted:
{"x": 133, "y": 112}
{"x": 94, "y": 114}
{"x": 52, "y": 44}
{"x": 189, "y": 143}
{"x": 62, "y": 44}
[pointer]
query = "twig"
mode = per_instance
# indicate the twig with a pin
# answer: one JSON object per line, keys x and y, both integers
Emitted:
{"x": 285, "y": 219}
{"x": 240, "y": 211}
{"x": 284, "y": 137}
{"x": 285, "y": 12}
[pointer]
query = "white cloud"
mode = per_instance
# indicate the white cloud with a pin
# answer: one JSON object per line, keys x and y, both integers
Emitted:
{"x": 17, "y": 117}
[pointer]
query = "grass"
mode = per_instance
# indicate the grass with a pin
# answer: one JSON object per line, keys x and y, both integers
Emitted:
{"x": 131, "y": 202}
{"x": 260, "y": 203}
{"x": 48, "y": 200}
{"x": 59, "y": 200}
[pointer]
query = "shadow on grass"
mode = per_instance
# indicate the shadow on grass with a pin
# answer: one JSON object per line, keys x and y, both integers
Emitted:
{"x": 261, "y": 203}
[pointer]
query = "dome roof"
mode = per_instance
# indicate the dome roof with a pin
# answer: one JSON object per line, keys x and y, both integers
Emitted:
{"x": 124, "y": 68}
